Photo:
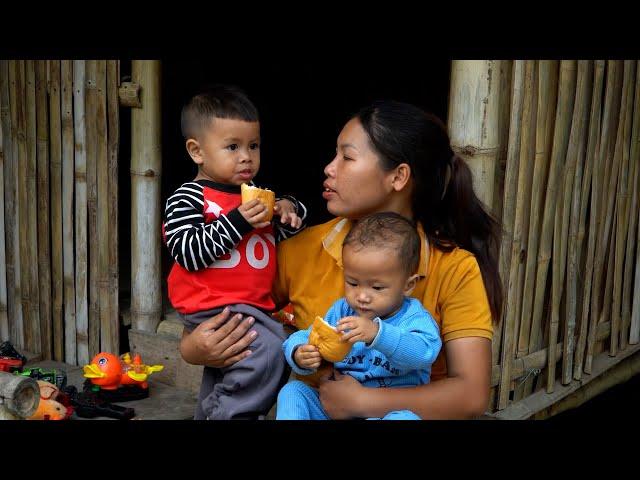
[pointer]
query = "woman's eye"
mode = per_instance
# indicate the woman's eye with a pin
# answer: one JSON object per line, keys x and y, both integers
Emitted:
{"x": 233, "y": 146}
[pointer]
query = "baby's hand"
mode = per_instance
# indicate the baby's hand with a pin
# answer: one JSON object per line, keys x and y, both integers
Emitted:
{"x": 255, "y": 212}
{"x": 307, "y": 356}
{"x": 287, "y": 212}
{"x": 361, "y": 329}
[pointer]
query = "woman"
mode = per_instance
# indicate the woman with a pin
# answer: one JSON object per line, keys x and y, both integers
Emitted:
{"x": 393, "y": 157}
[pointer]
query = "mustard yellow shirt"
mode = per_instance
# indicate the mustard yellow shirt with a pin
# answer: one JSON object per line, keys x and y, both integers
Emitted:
{"x": 450, "y": 285}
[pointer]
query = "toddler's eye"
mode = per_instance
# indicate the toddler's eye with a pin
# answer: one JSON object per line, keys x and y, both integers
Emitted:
{"x": 233, "y": 146}
{"x": 351, "y": 284}
{"x": 378, "y": 288}
{"x": 254, "y": 146}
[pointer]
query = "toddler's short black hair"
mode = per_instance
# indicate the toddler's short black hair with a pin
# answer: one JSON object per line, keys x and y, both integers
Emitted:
{"x": 388, "y": 230}
{"x": 216, "y": 101}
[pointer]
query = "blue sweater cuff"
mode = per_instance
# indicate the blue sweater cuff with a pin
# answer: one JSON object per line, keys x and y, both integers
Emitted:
{"x": 387, "y": 339}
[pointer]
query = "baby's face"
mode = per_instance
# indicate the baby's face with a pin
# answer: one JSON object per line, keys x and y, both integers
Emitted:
{"x": 374, "y": 281}
{"x": 228, "y": 151}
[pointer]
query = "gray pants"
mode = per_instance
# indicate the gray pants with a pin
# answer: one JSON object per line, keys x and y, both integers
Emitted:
{"x": 249, "y": 388}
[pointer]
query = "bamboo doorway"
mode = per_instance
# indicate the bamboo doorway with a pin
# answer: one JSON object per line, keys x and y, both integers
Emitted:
{"x": 58, "y": 220}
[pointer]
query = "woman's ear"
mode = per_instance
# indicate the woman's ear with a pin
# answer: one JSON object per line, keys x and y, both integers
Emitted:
{"x": 410, "y": 285}
{"x": 193, "y": 148}
{"x": 401, "y": 176}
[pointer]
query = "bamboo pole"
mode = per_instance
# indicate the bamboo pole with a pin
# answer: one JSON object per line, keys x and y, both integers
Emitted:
{"x": 473, "y": 120}
{"x": 84, "y": 347}
{"x": 67, "y": 211}
{"x": 609, "y": 125}
{"x": 5, "y": 164}
{"x": 55, "y": 136}
{"x": 632, "y": 316}
{"x": 12, "y": 208}
{"x": 92, "y": 201}
{"x": 23, "y": 221}
{"x": 44, "y": 254}
{"x": 547, "y": 81}
{"x": 113, "y": 107}
{"x": 146, "y": 165}
{"x": 577, "y": 147}
{"x": 523, "y": 204}
{"x": 593, "y": 175}
{"x": 32, "y": 199}
{"x": 622, "y": 152}
{"x": 547, "y": 97}
{"x": 107, "y": 328}
{"x": 510, "y": 192}
{"x": 504, "y": 108}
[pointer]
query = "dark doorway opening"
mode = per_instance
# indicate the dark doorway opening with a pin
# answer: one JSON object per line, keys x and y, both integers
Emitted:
{"x": 303, "y": 106}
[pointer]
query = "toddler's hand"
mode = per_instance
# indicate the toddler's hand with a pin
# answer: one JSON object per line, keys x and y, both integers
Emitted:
{"x": 287, "y": 212}
{"x": 361, "y": 329}
{"x": 255, "y": 212}
{"x": 307, "y": 356}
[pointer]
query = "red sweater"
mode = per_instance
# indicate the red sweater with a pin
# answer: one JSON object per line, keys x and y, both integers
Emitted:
{"x": 220, "y": 258}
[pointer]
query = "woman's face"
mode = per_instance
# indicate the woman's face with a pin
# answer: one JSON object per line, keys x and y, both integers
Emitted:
{"x": 356, "y": 184}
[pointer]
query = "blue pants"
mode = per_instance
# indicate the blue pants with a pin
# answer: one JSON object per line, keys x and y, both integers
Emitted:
{"x": 298, "y": 401}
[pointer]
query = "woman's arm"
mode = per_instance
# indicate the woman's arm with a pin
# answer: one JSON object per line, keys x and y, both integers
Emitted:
{"x": 218, "y": 343}
{"x": 464, "y": 394}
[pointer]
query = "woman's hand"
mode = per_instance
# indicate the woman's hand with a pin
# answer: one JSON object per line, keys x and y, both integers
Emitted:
{"x": 287, "y": 212}
{"x": 361, "y": 329}
{"x": 341, "y": 397}
{"x": 217, "y": 342}
{"x": 307, "y": 356}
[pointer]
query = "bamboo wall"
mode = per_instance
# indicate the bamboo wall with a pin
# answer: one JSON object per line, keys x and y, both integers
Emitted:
{"x": 58, "y": 224}
{"x": 569, "y": 186}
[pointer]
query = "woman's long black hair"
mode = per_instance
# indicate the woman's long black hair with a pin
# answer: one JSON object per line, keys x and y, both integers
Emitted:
{"x": 443, "y": 198}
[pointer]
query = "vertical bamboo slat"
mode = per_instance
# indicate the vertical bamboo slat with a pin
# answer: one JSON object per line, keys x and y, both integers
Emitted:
{"x": 113, "y": 107}
{"x": 6, "y": 171}
{"x": 107, "y": 329}
{"x": 23, "y": 222}
{"x": 547, "y": 90}
{"x": 633, "y": 238}
{"x": 67, "y": 209}
{"x": 32, "y": 199}
{"x": 92, "y": 200}
{"x": 577, "y": 147}
{"x": 594, "y": 175}
{"x": 510, "y": 192}
{"x": 55, "y": 135}
{"x": 523, "y": 204}
{"x": 12, "y": 208}
{"x": 622, "y": 152}
{"x": 146, "y": 167}
{"x": 4, "y": 320}
{"x": 547, "y": 97}
{"x": 44, "y": 254}
{"x": 84, "y": 346}
{"x": 634, "y": 334}
{"x": 609, "y": 125}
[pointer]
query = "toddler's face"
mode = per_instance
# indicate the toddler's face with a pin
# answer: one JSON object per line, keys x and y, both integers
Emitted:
{"x": 227, "y": 151}
{"x": 374, "y": 281}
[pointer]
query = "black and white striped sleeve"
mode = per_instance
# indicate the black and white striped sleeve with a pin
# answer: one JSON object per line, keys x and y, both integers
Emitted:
{"x": 284, "y": 231}
{"x": 194, "y": 244}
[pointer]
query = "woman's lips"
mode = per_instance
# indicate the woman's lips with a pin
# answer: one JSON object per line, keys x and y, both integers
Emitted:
{"x": 328, "y": 193}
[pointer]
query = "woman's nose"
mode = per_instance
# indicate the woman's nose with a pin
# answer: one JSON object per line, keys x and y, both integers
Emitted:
{"x": 330, "y": 169}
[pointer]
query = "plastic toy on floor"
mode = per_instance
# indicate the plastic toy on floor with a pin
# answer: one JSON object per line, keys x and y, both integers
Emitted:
{"x": 118, "y": 379}
{"x": 49, "y": 408}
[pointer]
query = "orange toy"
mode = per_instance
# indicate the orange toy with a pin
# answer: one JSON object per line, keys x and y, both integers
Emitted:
{"x": 109, "y": 372}
{"x": 49, "y": 408}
